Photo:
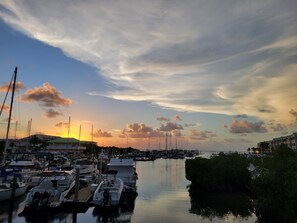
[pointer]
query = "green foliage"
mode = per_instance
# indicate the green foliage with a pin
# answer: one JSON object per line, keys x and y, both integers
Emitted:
{"x": 275, "y": 187}
{"x": 224, "y": 172}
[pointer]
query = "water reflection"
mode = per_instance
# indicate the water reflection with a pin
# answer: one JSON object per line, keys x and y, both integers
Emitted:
{"x": 45, "y": 217}
{"x": 119, "y": 214}
{"x": 8, "y": 210}
{"x": 162, "y": 197}
{"x": 115, "y": 214}
{"x": 221, "y": 205}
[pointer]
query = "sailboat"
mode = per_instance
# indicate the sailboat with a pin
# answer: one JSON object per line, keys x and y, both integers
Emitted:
{"x": 15, "y": 187}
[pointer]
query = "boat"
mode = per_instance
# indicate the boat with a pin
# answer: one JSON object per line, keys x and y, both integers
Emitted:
{"x": 6, "y": 190}
{"x": 109, "y": 191}
{"x": 51, "y": 190}
{"x": 85, "y": 166}
{"x": 10, "y": 189}
{"x": 25, "y": 161}
{"x": 11, "y": 182}
{"x": 125, "y": 170}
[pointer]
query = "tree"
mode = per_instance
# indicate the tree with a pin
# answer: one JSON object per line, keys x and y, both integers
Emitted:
{"x": 275, "y": 187}
{"x": 265, "y": 147}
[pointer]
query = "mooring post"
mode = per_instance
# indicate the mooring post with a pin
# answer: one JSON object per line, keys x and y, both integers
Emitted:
{"x": 12, "y": 195}
{"x": 76, "y": 184}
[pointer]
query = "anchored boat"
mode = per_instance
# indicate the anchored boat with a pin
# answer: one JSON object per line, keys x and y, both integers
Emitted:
{"x": 109, "y": 191}
{"x": 51, "y": 190}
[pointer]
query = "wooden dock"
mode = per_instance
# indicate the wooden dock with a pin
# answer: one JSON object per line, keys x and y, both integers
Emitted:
{"x": 84, "y": 195}
{"x": 82, "y": 203}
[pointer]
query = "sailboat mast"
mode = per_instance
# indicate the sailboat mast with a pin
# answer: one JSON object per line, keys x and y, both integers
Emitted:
{"x": 9, "y": 117}
{"x": 92, "y": 145}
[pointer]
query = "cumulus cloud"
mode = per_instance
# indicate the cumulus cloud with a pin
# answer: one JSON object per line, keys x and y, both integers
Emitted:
{"x": 201, "y": 135}
{"x": 280, "y": 128}
{"x": 174, "y": 54}
{"x": 51, "y": 113}
{"x": 189, "y": 125}
{"x": 18, "y": 86}
{"x": 102, "y": 134}
{"x": 243, "y": 126}
{"x": 136, "y": 130}
{"x": 4, "y": 108}
{"x": 177, "y": 133}
{"x": 177, "y": 118}
{"x": 170, "y": 126}
{"x": 46, "y": 95}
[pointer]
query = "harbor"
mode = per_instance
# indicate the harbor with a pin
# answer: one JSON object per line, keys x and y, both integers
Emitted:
{"x": 162, "y": 197}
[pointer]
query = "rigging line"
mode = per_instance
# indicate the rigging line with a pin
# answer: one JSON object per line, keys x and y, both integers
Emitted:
{"x": 6, "y": 94}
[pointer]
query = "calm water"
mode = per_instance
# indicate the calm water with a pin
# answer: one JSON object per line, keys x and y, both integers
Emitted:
{"x": 162, "y": 197}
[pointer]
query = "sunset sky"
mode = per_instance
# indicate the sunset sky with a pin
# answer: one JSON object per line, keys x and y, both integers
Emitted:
{"x": 215, "y": 75}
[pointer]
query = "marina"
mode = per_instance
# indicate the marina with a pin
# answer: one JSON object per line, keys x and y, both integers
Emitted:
{"x": 162, "y": 197}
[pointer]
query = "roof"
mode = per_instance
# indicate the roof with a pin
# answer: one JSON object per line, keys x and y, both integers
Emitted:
{"x": 64, "y": 140}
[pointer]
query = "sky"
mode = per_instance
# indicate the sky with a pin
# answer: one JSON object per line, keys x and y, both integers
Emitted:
{"x": 211, "y": 75}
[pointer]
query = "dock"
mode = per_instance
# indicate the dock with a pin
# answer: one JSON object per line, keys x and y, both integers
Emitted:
{"x": 81, "y": 204}
{"x": 84, "y": 195}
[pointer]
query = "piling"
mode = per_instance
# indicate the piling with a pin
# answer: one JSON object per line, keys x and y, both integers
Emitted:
{"x": 76, "y": 184}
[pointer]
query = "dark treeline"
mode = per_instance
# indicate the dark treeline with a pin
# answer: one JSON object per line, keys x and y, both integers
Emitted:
{"x": 223, "y": 184}
{"x": 223, "y": 172}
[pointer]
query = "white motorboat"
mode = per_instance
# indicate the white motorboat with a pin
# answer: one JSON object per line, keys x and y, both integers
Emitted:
{"x": 109, "y": 192}
{"x": 125, "y": 170}
{"x": 51, "y": 190}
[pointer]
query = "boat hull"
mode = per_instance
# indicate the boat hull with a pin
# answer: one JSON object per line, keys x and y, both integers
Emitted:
{"x": 108, "y": 193}
{"x": 5, "y": 194}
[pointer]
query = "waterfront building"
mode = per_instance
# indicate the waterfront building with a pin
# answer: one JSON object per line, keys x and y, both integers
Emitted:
{"x": 65, "y": 145}
{"x": 290, "y": 141}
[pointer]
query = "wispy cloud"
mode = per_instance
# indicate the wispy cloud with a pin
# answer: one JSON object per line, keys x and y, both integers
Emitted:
{"x": 62, "y": 124}
{"x": 228, "y": 57}
{"x": 163, "y": 119}
{"x": 294, "y": 114}
{"x": 201, "y": 135}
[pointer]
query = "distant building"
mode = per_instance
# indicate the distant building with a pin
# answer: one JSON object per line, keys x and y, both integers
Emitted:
{"x": 290, "y": 141}
{"x": 65, "y": 145}
{"x": 33, "y": 141}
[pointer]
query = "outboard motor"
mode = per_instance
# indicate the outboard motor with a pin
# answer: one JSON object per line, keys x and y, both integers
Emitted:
{"x": 105, "y": 197}
{"x": 44, "y": 199}
{"x": 35, "y": 199}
